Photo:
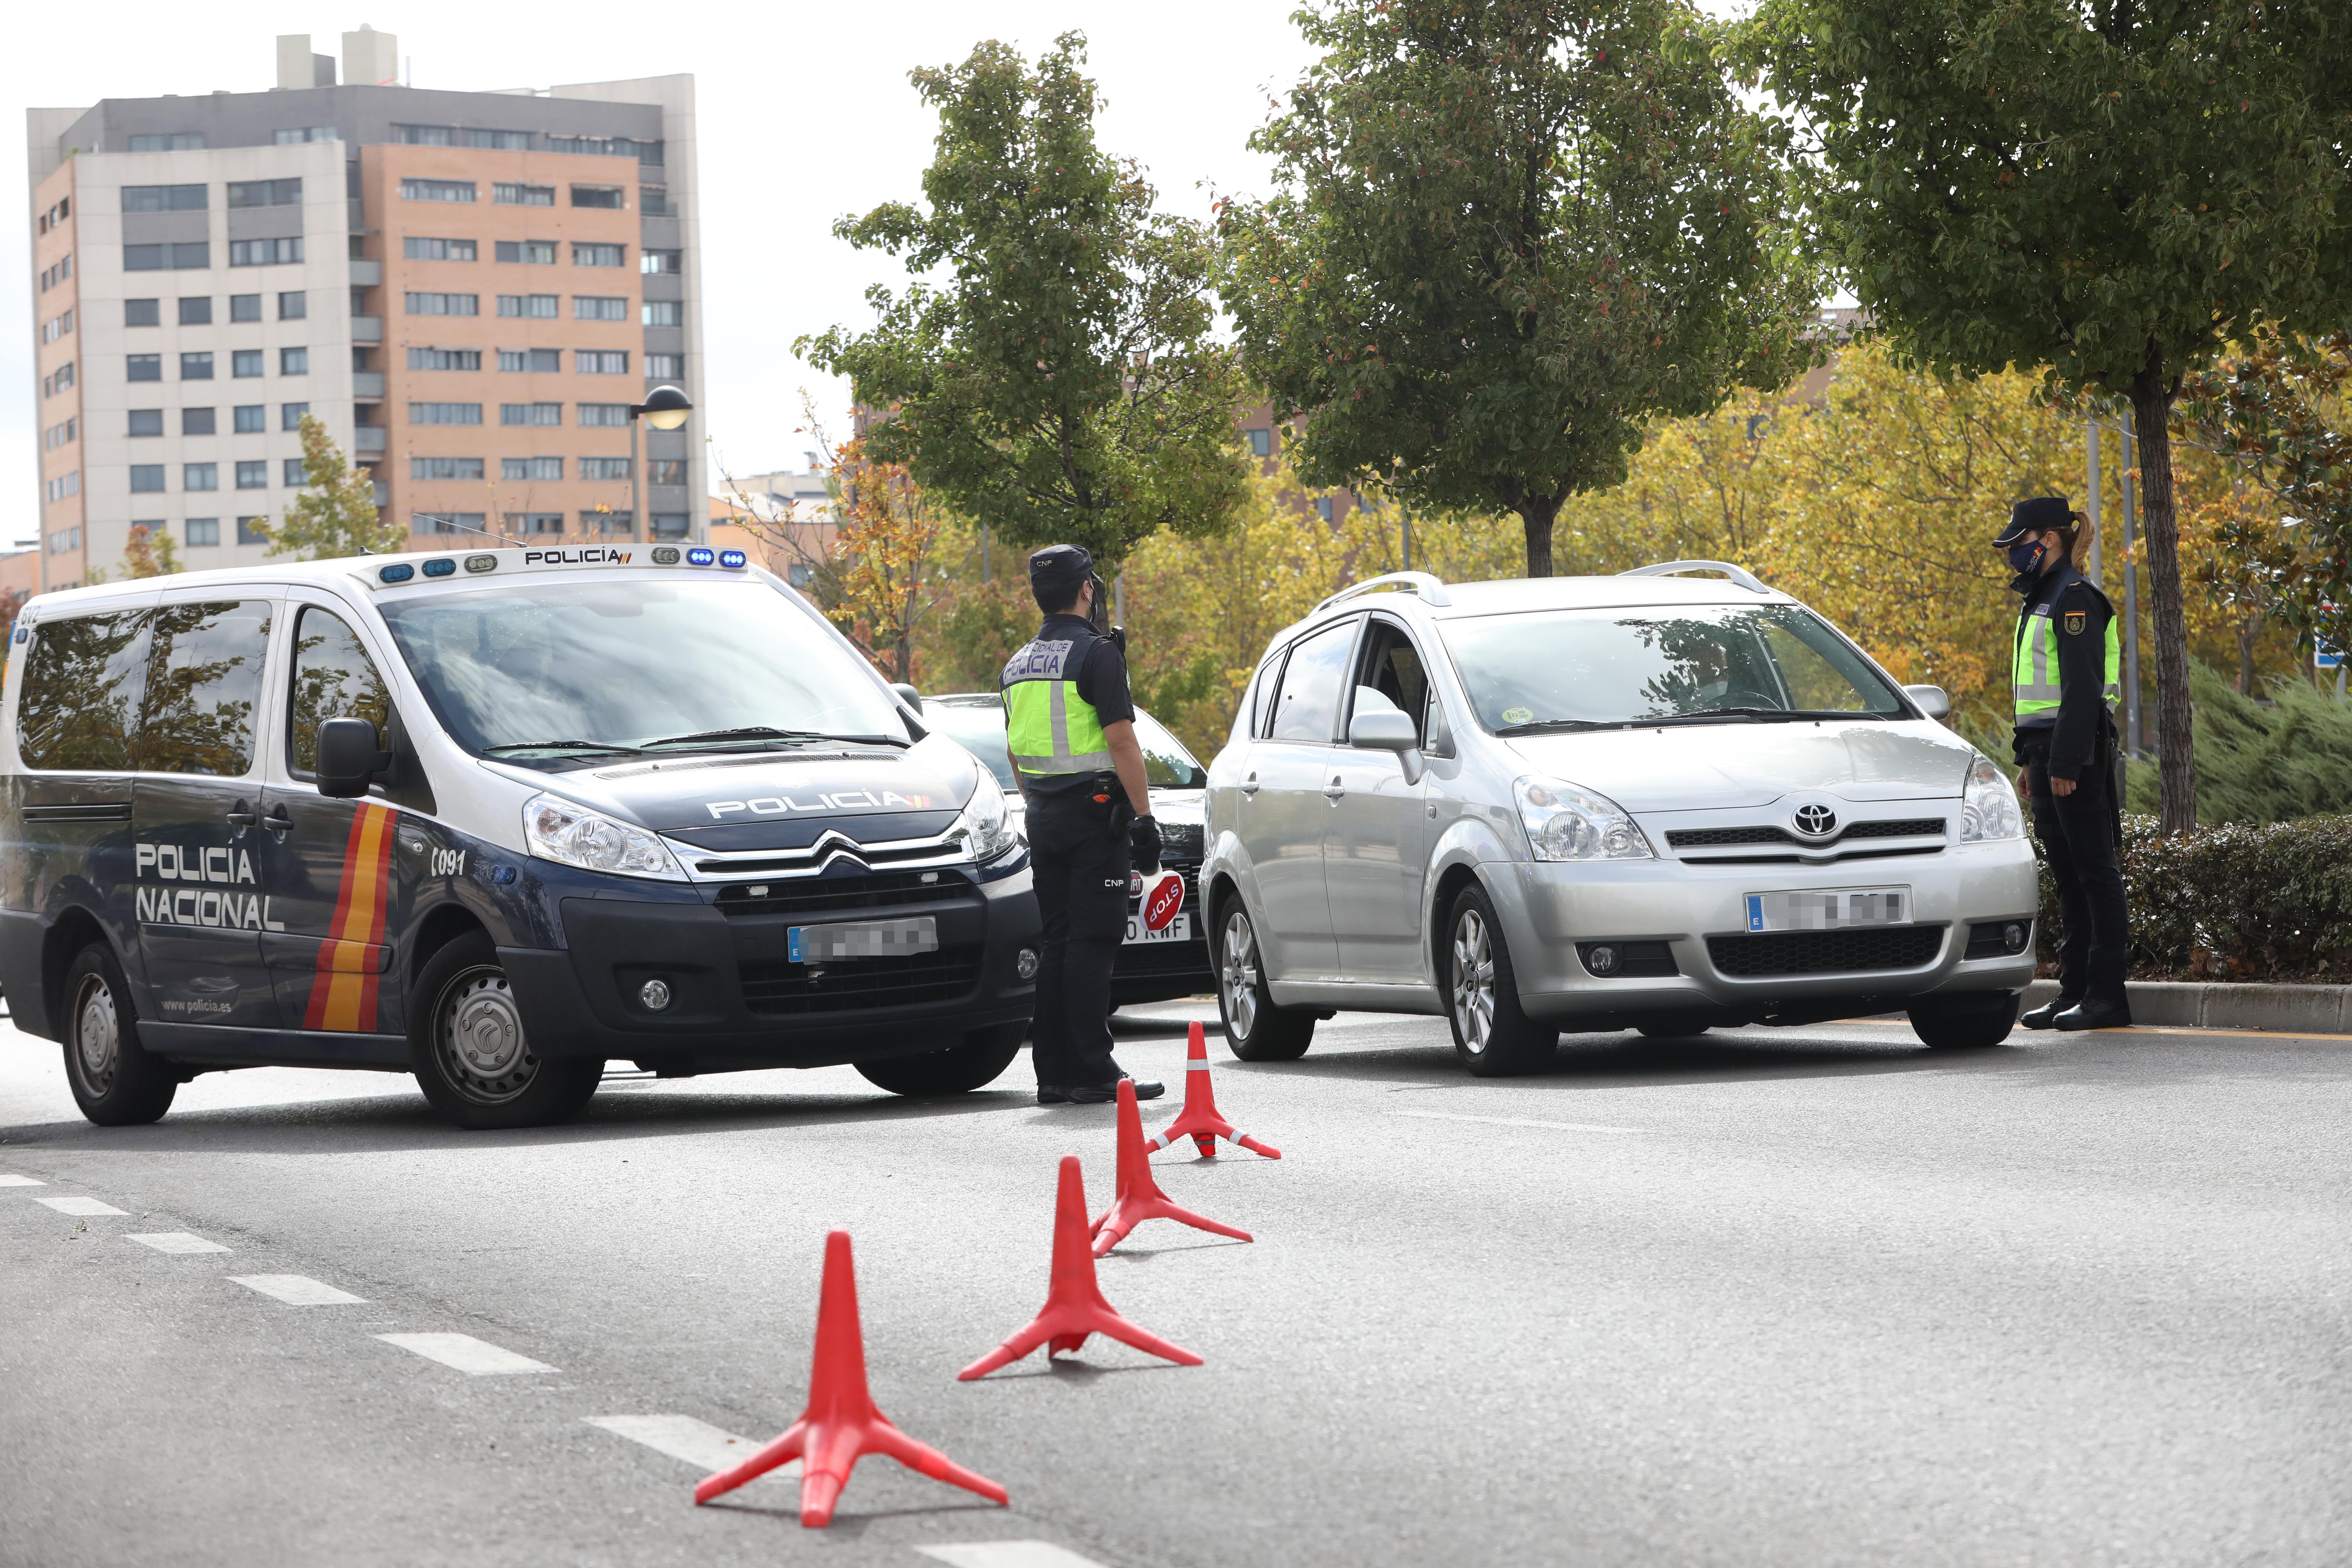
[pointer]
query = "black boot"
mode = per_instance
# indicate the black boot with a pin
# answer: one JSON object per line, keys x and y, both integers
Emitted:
{"x": 2092, "y": 1014}
{"x": 2046, "y": 1016}
{"x": 1104, "y": 1093}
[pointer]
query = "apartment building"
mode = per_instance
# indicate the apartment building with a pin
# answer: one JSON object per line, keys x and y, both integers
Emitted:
{"x": 470, "y": 289}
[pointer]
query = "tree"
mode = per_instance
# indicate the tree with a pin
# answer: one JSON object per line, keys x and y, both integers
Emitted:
{"x": 2112, "y": 191}
{"x": 1506, "y": 236}
{"x": 1061, "y": 384}
{"x": 335, "y": 514}
{"x": 147, "y": 552}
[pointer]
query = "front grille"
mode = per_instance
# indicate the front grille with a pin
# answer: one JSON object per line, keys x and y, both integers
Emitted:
{"x": 1906, "y": 827}
{"x": 1162, "y": 958}
{"x": 1705, "y": 837}
{"x": 752, "y": 866}
{"x": 852, "y": 986}
{"x": 1708, "y": 838}
{"x": 826, "y": 895}
{"x": 1825, "y": 951}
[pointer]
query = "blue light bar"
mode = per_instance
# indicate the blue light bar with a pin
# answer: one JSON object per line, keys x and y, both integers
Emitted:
{"x": 730, "y": 558}
{"x": 441, "y": 567}
{"x": 699, "y": 556}
{"x": 398, "y": 572}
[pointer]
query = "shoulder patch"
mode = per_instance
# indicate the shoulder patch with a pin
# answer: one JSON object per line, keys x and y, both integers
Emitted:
{"x": 2076, "y": 621}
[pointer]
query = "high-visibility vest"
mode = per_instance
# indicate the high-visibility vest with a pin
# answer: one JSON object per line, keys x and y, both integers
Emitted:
{"x": 1049, "y": 729}
{"x": 2034, "y": 675}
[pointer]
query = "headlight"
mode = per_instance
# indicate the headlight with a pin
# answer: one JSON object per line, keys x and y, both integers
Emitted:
{"x": 982, "y": 824}
{"x": 556, "y": 829}
{"x": 1989, "y": 807}
{"x": 1565, "y": 823}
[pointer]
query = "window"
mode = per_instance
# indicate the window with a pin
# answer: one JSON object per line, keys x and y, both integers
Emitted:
{"x": 203, "y": 687}
{"x": 665, "y": 367}
{"x": 293, "y": 136}
{"x": 57, "y": 272}
{"x": 245, "y": 307}
{"x": 587, "y": 255}
{"x": 170, "y": 141}
{"x": 445, "y": 359}
{"x": 665, "y": 470}
{"x": 653, "y": 200}
{"x": 530, "y": 469}
{"x": 523, "y": 195}
{"x": 445, "y": 467}
{"x": 599, "y": 307}
{"x": 437, "y": 190}
{"x": 146, "y": 422}
{"x": 144, "y": 367}
{"x": 244, "y": 363}
{"x": 163, "y": 198}
{"x": 671, "y": 262}
{"x": 607, "y": 521}
{"x": 443, "y": 304}
{"x": 534, "y": 521}
{"x": 143, "y": 312}
{"x": 1261, "y": 442}
{"x": 265, "y": 192}
{"x": 249, "y": 418}
{"x": 252, "y": 531}
{"x": 667, "y": 525}
{"x": 197, "y": 312}
{"x": 63, "y": 541}
{"x": 294, "y": 477}
{"x": 606, "y": 197}
{"x": 62, "y": 486}
{"x": 146, "y": 479}
{"x": 414, "y": 248}
{"x": 200, "y": 476}
{"x": 1323, "y": 507}
{"x": 196, "y": 366}
{"x": 607, "y": 147}
{"x": 57, "y": 380}
{"x": 253, "y": 475}
{"x": 445, "y": 413}
{"x": 528, "y": 252}
{"x": 79, "y": 706}
{"x": 333, "y": 679}
{"x": 58, "y": 435}
{"x": 428, "y": 523}
{"x": 663, "y": 313}
{"x": 196, "y": 422}
{"x": 613, "y": 414}
{"x": 531, "y": 414}
{"x": 57, "y": 327}
{"x": 265, "y": 252}
{"x": 603, "y": 467}
{"x": 202, "y": 530}
{"x": 454, "y": 136}
{"x": 601, "y": 361}
{"x": 1310, "y": 703}
{"x": 293, "y": 305}
{"x": 541, "y": 361}
{"x": 191, "y": 255}
{"x": 289, "y": 414}
{"x": 541, "y": 307}
{"x": 293, "y": 362}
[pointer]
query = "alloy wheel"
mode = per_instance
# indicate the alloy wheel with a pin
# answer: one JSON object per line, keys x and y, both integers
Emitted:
{"x": 1238, "y": 974}
{"x": 1474, "y": 982}
{"x": 480, "y": 1038}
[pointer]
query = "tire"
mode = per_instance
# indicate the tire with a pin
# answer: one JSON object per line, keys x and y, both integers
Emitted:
{"x": 1256, "y": 1029}
{"x": 1491, "y": 1035}
{"x": 955, "y": 1069}
{"x": 114, "y": 1080}
{"x": 1965, "y": 1023}
{"x": 467, "y": 1049}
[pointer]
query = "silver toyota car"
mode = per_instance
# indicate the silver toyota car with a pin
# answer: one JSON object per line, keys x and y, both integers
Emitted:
{"x": 1654, "y": 801}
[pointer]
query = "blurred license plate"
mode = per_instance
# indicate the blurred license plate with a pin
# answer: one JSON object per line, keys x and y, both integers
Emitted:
{"x": 862, "y": 939}
{"x": 1177, "y": 930}
{"x": 1839, "y": 911}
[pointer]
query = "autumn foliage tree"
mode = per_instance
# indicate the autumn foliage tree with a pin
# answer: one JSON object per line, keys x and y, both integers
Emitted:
{"x": 335, "y": 513}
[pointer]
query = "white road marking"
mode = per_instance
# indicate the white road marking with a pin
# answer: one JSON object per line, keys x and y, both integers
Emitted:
{"x": 176, "y": 1241}
{"x": 478, "y": 1358}
{"x": 9, "y": 1181}
{"x": 1515, "y": 1122}
{"x": 1007, "y": 1555}
{"x": 79, "y": 1205}
{"x": 295, "y": 1289}
{"x": 698, "y": 1443}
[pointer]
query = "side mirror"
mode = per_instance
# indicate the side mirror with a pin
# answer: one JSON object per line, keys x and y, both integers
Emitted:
{"x": 1931, "y": 700}
{"x": 1388, "y": 731}
{"x": 347, "y": 758}
{"x": 908, "y": 695}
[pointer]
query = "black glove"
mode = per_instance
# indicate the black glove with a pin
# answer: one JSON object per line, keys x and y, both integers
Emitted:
{"x": 1143, "y": 845}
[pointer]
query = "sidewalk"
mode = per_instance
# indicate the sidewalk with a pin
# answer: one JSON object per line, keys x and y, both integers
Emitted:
{"x": 2288, "y": 1009}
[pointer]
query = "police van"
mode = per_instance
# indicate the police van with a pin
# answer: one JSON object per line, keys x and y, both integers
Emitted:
{"x": 492, "y": 818}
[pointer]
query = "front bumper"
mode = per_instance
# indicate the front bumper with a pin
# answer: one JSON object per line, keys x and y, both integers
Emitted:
{"x": 1160, "y": 972}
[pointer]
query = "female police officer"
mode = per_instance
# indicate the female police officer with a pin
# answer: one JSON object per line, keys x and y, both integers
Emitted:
{"x": 2063, "y": 667}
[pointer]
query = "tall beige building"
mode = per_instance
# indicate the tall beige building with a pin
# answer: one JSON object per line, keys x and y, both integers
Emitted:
{"x": 470, "y": 289}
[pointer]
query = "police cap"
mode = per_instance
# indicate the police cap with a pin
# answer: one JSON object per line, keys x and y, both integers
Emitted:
{"x": 1060, "y": 566}
{"x": 2038, "y": 515}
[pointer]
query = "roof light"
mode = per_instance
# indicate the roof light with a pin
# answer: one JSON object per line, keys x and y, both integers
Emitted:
{"x": 398, "y": 572}
{"x": 699, "y": 556}
{"x": 730, "y": 558}
{"x": 441, "y": 567}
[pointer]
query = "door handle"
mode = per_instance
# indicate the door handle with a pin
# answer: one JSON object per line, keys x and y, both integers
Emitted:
{"x": 241, "y": 816}
{"x": 1249, "y": 784}
{"x": 277, "y": 822}
{"x": 1335, "y": 789}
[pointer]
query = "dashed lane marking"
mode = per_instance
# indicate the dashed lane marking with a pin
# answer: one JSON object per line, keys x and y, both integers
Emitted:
{"x": 79, "y": 1205}
{"x": 1515, "y": 1122}
{"x": 296, "y": 1289}
{"x": 176, "y": 1241}
{"x": 699, "y": 1444}
{"x": 476, "y": 1358}
{"x": 1007, "y": 1555}
{"x": 8, "y": 1181}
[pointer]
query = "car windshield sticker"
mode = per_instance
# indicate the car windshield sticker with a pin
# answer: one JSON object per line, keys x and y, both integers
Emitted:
{"x": 1519, "y": 715}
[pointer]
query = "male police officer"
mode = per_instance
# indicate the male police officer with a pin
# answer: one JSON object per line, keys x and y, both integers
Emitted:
{"x": 1069, "y": 726}
{"x": 2065, "y": 661}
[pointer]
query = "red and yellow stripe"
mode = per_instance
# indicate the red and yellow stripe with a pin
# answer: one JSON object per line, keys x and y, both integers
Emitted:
{"x": 344, "y": 992}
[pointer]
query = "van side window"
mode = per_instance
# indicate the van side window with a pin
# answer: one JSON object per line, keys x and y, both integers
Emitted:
{"x": 1392, "y": 668}
{"x": 203, "y": 687}
{"x": 79, "y": 709}
{"x": 333, "y": 679}
{"x": 1311, "y": 683}
{"x": 1269, "y": 680}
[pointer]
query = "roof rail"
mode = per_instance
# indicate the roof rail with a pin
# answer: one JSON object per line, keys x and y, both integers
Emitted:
{"x": 1739, "y": 574}
{"x": 1426, "y": 587}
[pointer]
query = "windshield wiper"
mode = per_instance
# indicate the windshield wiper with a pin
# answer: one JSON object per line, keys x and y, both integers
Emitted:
{"x": 1552, "y": 726}
{"x": 741, "y": 732}
{"x": 1756, "y": 715}
{"x": 561, "y": 746}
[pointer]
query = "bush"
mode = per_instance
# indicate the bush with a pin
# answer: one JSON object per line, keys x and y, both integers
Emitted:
{"x": 2261, "y": 763}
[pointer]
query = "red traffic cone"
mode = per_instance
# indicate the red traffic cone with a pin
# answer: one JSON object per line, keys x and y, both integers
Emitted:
{"x": 1074, "y": 1307}
{"x": 1140, "y": 1197}
{"x": 841, "y": 1424}
{"x": 1199, "y": 1119}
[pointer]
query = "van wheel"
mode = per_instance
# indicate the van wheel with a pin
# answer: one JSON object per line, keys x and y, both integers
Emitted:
{"x": 958, "y": 1070}
{"x": 1256, "y": 1029}
{"x": 1965, "y": 1023}
{"x": 1491, "y": 1035}
{"x": 114, "y": 1080}
{"x": 469, "y": 1051}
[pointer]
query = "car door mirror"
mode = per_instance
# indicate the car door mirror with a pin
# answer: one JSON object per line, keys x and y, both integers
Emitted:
{"x": 1388, "y": 731}
{"x": 1931, "y": 700}
{"x": 349, "y": 758}
{"x": 908, "y": 695}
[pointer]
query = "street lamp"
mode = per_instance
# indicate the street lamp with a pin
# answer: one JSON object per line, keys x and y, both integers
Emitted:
{"x": 665, "y": 408}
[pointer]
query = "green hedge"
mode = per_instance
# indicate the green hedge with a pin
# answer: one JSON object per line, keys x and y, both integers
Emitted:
{"x": 2256, "y": 762}
{"x": 2269, "y": 901}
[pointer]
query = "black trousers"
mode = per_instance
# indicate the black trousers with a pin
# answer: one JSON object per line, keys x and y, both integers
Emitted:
{"x": 2077, "y": 833}
{"x": 1078, "y": 857}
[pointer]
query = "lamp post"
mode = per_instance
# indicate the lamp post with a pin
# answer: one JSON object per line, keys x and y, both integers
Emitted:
{"x": 665, "y": 408}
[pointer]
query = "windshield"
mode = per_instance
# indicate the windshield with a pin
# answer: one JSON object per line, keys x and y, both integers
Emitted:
{"x": 1576, "y": 670}
{"x": 564, "y": 673}
{"x": 977, "y": 726}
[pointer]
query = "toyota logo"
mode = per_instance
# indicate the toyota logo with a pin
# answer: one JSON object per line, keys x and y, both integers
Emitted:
{"x": 1813, "y": 821}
